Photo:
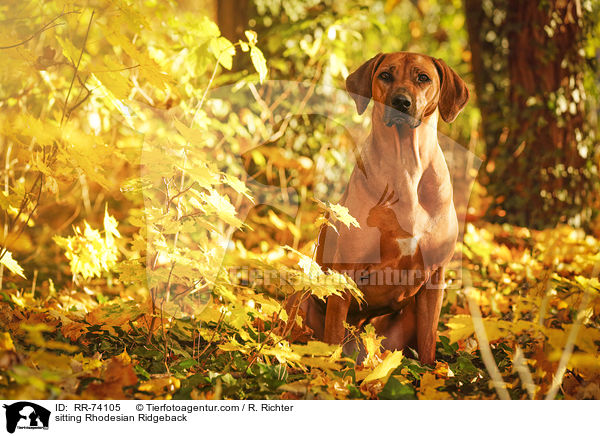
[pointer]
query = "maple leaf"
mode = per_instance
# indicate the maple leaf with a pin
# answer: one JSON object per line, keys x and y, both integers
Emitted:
{"x": 12, "y": 265}
{"x": 161, "y": 387}
{"x": 339, "y": 213}
{"x": 117, "y": 314}
{"x": 223, "y": 50}
{"x": 429, "y": 388}
{"x": 118, "y": 374}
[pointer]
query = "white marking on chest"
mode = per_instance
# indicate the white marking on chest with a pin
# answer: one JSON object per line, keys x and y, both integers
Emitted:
{"x": 408, "y": 246}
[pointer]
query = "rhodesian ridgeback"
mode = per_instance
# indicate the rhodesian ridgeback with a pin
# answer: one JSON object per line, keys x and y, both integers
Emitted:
{"x": 401, "y": 195}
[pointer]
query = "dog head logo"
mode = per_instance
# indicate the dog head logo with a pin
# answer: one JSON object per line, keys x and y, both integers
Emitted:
{"x": 26, "y": 415}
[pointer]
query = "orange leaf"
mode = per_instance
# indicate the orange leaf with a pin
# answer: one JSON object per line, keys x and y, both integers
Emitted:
{"x": 117, "y": 375}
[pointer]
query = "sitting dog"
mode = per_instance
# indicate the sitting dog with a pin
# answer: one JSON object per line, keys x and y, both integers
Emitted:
{"x": 401, "y": 196}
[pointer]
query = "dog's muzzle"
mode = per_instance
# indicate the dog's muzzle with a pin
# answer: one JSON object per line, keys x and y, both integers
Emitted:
{"x": 400, "y": 110}
{"x": 393, "y": 116}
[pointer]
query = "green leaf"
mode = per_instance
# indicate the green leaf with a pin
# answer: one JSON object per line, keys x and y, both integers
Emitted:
{"x": 396, "y": 390}
{"x": 141, "y": 372}
{"x": 187, "y": 363}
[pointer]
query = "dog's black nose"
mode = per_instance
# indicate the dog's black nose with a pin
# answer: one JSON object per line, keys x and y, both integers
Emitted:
{"x": 401, "y": 102}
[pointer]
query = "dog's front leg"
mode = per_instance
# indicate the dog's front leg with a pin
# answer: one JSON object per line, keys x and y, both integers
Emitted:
{"x": 335, "y": 315}
{"x": 429, "y": 304}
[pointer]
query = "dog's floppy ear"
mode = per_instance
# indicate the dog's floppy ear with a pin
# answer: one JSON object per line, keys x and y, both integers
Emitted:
{"x": 360, "y": 83}
{"x": 454, "y": 93}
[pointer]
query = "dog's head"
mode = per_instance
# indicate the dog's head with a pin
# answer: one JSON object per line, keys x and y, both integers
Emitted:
{"x": 410, "y": 87}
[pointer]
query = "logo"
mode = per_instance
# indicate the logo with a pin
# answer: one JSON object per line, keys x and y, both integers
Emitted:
{"x": 26, "y": 415}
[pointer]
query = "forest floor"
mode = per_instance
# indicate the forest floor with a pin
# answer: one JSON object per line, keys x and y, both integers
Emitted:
{"x": 528, "y": 315}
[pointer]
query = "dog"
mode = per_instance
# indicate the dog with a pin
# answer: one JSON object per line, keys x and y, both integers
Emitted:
{"x": 401, "y": 195}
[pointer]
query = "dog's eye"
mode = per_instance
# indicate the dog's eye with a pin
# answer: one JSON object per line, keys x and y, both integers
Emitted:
{"x": 386, "y": 77}
{"x": 423, "y": 78}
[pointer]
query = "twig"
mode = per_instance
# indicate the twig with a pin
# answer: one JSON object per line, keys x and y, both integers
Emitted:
{"x": 277, "y": 135}
{"x": 46, "y": 26}
{"x": 221, "y": 317}
{"x": 153, "y": 321}
{"x": 5, "y": 243}
{"x": 76, "y": 68}
{"x": 255, "y": 355}
{"x": 164, "y": 332}
{"x": 201, "y": 102}
{"x": 80, "y": 102}
{"x": 294, "y": 314}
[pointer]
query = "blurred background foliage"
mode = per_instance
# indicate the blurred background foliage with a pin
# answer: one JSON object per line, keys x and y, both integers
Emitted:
{"x": 150, "y": 148}
{"x": 535, "y": 74}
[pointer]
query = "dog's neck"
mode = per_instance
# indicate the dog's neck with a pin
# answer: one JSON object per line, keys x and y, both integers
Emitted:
{"x": 400, "y": 147}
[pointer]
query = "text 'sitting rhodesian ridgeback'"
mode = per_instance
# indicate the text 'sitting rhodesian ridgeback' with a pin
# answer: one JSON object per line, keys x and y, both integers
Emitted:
{"x": 401, "y": 195}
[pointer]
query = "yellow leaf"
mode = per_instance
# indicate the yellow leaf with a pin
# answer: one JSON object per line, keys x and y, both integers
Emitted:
{"x": 239, "y": 186}
{"x": 35, "y": 333}
{"x": 161, "y": 386}
{"x": 309, "y": 266}
{"x": 372, "y": 344}
{"x": 115, "y": 314}
{"x": 117, "y": 375}
{"x": 69, "y": 50}
{"x": 147, "y": 66}
{"x": 46, "y": 360}
{"x": 88, "y": 363}
{"x": 314, "y": 348}
{"x": 269, "y": 306}
{"x": 321, "y": 285}
{"x": 193, "y": 136}
{"x": 461, "y": 327}
{"x": 203, "y": 174}
{"x": 6, "y": 343}
{"x": 221, "y": 206}
{"x": 389, "y": 5}
{"x": 340, "y": 213}
{"x": 110, "y": 224}
{"x": 223, "y": 50}
{"x": 116, "y": 83}
{"x": 259, "y": 62}
{"x": 57, "y": 345}
{"x": 210, "y": 313}
{"x": 11, "y": 264}
{"x": 233, "y": 345}
{"x": 252, "y": 36}
{"x": 586, "y": 338}
{"x": 44, "y": 132}
{"x": 585, "y": 362}
{"x": 429, "y": 388}
{"x": 88, "y": 252}
{"x": 386, "y": 367}
{"x": 282, "y": 353}
{"x": 321, "y": 362}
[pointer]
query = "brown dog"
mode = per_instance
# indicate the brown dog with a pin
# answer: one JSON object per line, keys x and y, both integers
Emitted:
{"x": 401, "y": 196}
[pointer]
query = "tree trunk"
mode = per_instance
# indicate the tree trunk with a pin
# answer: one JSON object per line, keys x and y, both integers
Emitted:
{"x": 538, "y": 146}
{"x": 232, "y": 18}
